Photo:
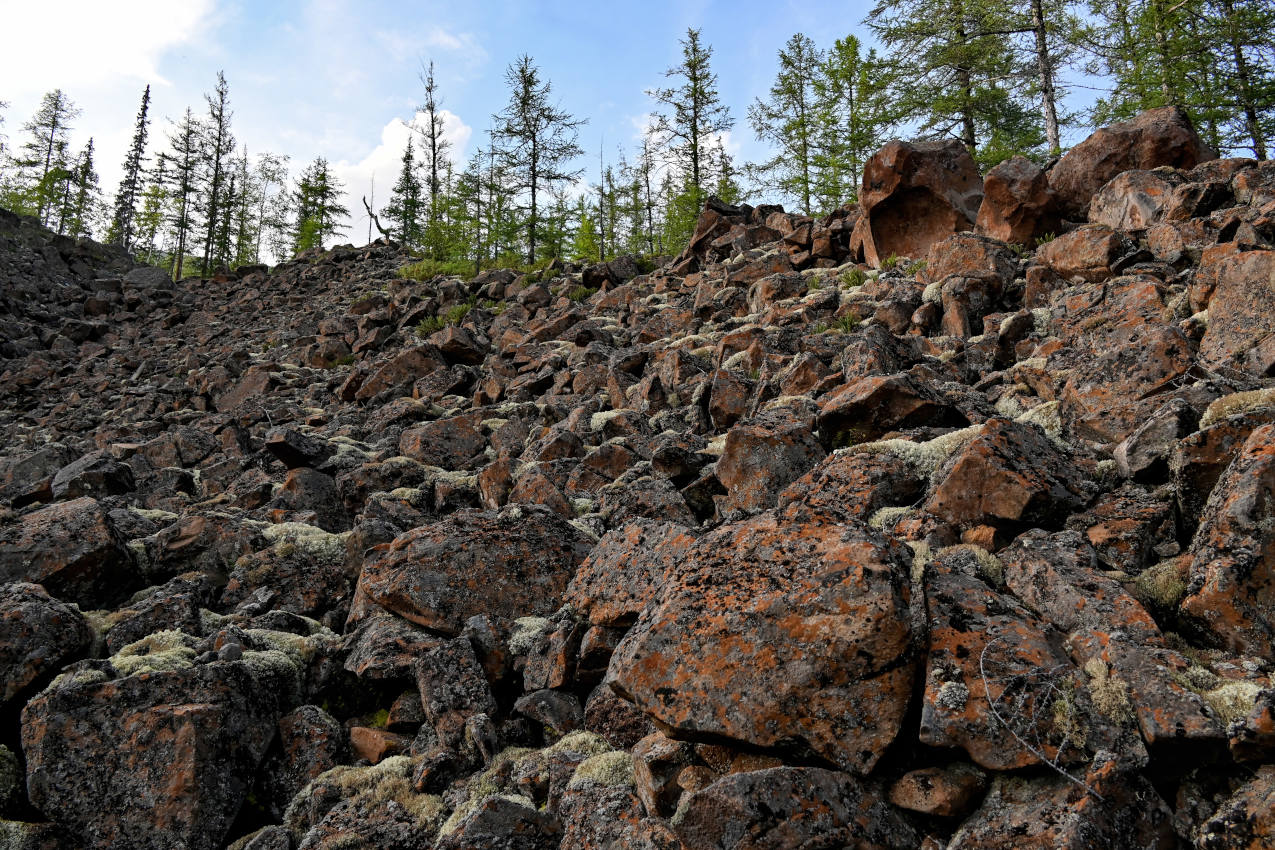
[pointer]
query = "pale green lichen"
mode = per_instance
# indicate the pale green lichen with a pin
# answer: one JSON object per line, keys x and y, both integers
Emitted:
{"x": 388, "y": 783}
{"x": 737, "y": 362}
{"x": 154, "y": 514}
{"x": 307, "y": 540}
{"x": 599, "y": 421}
{"x": 610, "y": 770}
{"x": 924, "y": 457}
{"x": 527, "y": 633}
{"x": 1047, "y": 417}
{"x": 1236, "y": 403}
{"x": 921, "y": 555}
{"x": 159, "y": 652}
{"x": 1109, "y": 693}
{"x": 716, "y": 447}
{"x": 76, "y": 678}
{"x": 1232, "y": 700}
{"x": 953, "y": 696}
{"x": 887, "y": 516}
{"x": 465, "y": 809}
{"x": 989, "y": 567}
{"x": 1163, "y": 584}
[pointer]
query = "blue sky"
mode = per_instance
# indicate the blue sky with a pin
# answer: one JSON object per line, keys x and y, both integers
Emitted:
{"x": 338, "y": 77}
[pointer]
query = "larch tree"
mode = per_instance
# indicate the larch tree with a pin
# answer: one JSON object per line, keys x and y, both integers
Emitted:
{"x": 788, "y": 120}
{"x": 1243, "y": 31}
{"x": 318, "y": 206}
{"x": 149, "y": 221}
{"x": 695, "y": 114}
{"x": 954, "y": 75}
{"x": 403, "y": 210}
{"x": 183, "y": 175}
{"x": 126, "y": 197}
{"x": 434, "y": 149}
{"x": 218, "y": 145}
{"x": 82, "y": 196}
{"x": 536, "y": 141}
{"x": 855, "y": 113}
{"x": 44, "y": 154}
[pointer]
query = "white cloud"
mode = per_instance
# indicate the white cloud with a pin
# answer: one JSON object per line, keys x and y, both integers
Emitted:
{"x": 384, "y": 162}
{"x": 95, "y": 43}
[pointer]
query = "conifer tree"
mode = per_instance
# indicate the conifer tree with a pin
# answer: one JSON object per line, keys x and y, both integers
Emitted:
{"x": 1243, "y": 30}
{"x": 82, "y": 196}
{"x": 121, "y": 230}
{"x": 44, "y": 155}
{"x": 695, "y": 114}
{"x": 536, "y": 141}
{"x": 218, "y": 144}
{"x": 788, "y": 119}
{"x": 318, "y": 206}
{"x": 435, "y": 147}
{"x": 404, "y": 207}
{"x": 183, "y": 174}
{"x": 854, "y": 116}
{"x": 585, "y": 242}
{"x": 150, "y": 218}
{"x": 954, "y": 74}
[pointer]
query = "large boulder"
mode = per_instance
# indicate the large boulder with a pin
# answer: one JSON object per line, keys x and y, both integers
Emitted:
{"x": 511, "y": 563}
{"x": 156, "y": 760}
{"x": 1157, "y": 137}
{"x": 915, "y": 194}
{"x": 38, "y": 635}
{"x": 1241, "y": 329}
{"x": 1018, "y": 205}
{"x": 779, "y": 634}
{"x": 73, "y": 549}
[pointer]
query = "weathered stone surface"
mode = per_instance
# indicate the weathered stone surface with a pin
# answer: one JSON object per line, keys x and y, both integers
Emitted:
{"x": 850, "y": 486}
{"x": 1009, "y": 472}
{"x": 453, "y": 688}
{"x": 915, "y": 194}
{"x": 950, "y": 791}
{"x": 785, "y": 807}
{"x": 1086, "y": 252}
{"x": 1245, "y": 821}
{"x": 866, "y": 408}
{"x": 507, "y": 822}
{"x": 38, "y": 635}
{"x": 763, "y": 455}
{"x": 97, "y": 474}
{"x": 71, "y": 548}
{"x": 1241, "y": 329}
{"x": 1018, "y": 205}
{"x": 310, "y": 741}
{"x": 746, "y": 671}
{"x": 1232, "y": 587}
{"x": 1122, "y": 812}
{"x": 159, "y": 760}
{"x": 511, "y": 563}
{"x": 1200, "y": 458}
{"x": 372, "y": 806}
{"x": 1156, "y": 137}
{"x": 627, "y": 569}
{"x": 1133, "y": 200}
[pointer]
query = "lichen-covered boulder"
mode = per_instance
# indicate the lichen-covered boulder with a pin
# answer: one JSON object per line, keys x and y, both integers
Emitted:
{"x": 779, "y": 634}
{"x": 38, "y": 635}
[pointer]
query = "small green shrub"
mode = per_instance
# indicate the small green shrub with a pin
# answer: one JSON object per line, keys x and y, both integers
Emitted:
{"x": 580, "y": 293}
{"x": 853, "y": 277}
{"x": 1048, "y": 237}
{"x": 427, "y": 269}
{"x": 891, "y": 262}
{"x": 915, "y": 268}
{"x": 819, "y": 327}
{"x": 452, "y": 316}
{"x": 847, "y": 323}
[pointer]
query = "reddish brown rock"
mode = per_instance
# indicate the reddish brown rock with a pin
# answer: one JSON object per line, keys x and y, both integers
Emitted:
{"x": 310, "y": 741}
{"x": 992, "y": 678}
{"x": 398, "y": 373}
{"x": 1087, "y": 252}
{"x": 728, "y": 650}
{"x": 866, "y": 408}
{"x": 786, "y": 807}
{"x": 1241, "y": 330}
{"x": 1245, "y": 821}
{"x": 626, "y": 569}
{"x": 375, "y": 745}
{"x": 1232, "y": 586}
{"x": 1121, "y": 812}
{"x": 453, "y": 688}
{"x": 915, "y": 194}
{"x": 850, "y": 486}
{"x": 38, "y": 635}
{"x": 1156, "y": 137}
{"x": 73, "y": 550}
{"x": 657, "y": 763}
{"x": 763, "y": 455}
{"x": 455, "y": 443}
{"x": 1133, "y": 200}
{"x": 1131, "y": 529}
{"x": 1018, "y": 205}
{"x": 152, "y": 761}
{"x": 951, "y": 791}
{"x": 1009, "y": 472}
{"x": 970, "y": 255}
{"x": 511, "y": 563}
{"x": 1122, "y": 354}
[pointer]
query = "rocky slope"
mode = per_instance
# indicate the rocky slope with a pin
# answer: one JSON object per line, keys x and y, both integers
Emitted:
{"x": 945, "y": 521}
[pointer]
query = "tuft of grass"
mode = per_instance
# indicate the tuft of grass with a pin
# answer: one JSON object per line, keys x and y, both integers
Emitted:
{"x": 891, "y": 262}
{"x": 853, "y": 277}
{"x": 820, "y": 327}
{"x": 814, "y": 284}
{"x": 580, "y": 293}
{"x": 427, "y": 269}
{"x": 915, "y": 268}
{"x": 343, "y": 360}
{"x": 452, "y": 316}
{"x": 847, "y": 323}
{"x": 1048, "y": 237}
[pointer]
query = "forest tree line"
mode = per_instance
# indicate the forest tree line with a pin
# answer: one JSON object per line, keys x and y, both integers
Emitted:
{"x": 994, "y": 74}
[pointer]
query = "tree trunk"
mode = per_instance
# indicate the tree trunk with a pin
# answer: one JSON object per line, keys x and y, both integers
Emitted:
{"x": 1047, "y": 94}
{"x": 1244, "y": 78}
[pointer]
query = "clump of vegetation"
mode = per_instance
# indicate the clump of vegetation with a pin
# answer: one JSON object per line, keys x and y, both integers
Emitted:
{"x": 891, "y": 262}
{"x": 853, "y": 277}
{"x": 452, "y": 316}
{"x": 814, "y": 284}
{"x": 580, "y": 293}
{"x": 915, "y": 268}
{"x": 343, "y": 360}
{"x": 1046, "y": 238}
{"x": 847, "y": 323}
{"x": 427, "y": 269}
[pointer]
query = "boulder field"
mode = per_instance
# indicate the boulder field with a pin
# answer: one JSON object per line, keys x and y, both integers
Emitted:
{"x": 943, "y": 521}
